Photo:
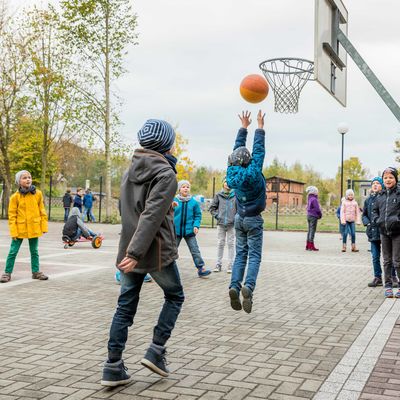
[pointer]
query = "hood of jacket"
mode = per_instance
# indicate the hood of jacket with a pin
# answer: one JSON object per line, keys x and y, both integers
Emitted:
{"x": 75, "y": 211}
{"x": 146, "y": 164}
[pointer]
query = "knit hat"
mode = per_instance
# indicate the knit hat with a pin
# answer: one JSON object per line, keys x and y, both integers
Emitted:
{"x": 240, "y": 156}
{"x": 378, "y": 179}
{"x": 19, "y": 174}
{"x": 349, "y": 192}
{"x": 312, "y": 190}
{"x": 156, "y": 135}
{"x": 181, "y": 183}
{"x": 393, "y": 171}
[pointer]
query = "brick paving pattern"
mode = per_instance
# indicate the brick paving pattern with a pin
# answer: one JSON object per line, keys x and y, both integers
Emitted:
{"x": 308, "y": 310}
{"x": 384, "y": 382}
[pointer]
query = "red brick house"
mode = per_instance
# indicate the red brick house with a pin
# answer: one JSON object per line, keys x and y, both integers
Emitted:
{"x": 290, "y": 192}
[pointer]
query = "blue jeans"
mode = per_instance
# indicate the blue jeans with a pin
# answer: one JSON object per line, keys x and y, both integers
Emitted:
{"x": 169, "y": 281}
{"x": 87, "y": 212}
{"x": 191, "y": 242}
{"x": 79, "y": 234}
{"x": 66, "y": 213}
{"x": 349, "y": 229}
{"x": 249, "y": 240}
{"x": 376, "y": 258}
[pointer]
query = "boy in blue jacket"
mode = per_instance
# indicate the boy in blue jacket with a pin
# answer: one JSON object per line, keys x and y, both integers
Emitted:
{"x": 187, "y": 220}
{"x": 245, "y": 175}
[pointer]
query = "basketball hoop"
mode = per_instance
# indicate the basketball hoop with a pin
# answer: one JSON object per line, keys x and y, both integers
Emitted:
{"x": 287, "y": 76}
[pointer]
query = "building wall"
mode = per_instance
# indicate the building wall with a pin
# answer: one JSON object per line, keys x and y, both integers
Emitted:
{"x": 285, "y": 199}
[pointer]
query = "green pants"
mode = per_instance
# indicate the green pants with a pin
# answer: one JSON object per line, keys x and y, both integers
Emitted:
{"x": 14, "y": 249}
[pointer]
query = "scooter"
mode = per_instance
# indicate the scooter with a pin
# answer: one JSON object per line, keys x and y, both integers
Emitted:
{"x": 96, "y": 241}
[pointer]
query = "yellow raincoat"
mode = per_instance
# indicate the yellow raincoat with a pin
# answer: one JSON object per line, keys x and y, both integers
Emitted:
{"x": 27, "y": 217}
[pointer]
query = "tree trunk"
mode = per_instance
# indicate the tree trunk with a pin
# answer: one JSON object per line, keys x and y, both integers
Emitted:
{"x": 107, "y": 144}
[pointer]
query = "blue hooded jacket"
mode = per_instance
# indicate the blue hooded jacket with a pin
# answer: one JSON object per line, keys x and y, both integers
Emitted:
{"x": 187, "y": 216}
{"x": 249, "y": 181}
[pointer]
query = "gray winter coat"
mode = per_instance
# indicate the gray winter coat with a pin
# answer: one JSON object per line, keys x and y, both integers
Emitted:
{"x": 147, "y": 192}
{"x": 223, "y": 208}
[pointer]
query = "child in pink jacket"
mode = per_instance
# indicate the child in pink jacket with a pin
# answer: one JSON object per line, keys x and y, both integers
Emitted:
{"x": 349, "y": 216}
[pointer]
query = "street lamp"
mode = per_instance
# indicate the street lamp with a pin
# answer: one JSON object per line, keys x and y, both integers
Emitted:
{"x": 342, "y": 129}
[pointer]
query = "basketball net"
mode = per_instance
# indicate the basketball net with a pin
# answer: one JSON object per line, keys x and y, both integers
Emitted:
{"x": 287, "y": 77}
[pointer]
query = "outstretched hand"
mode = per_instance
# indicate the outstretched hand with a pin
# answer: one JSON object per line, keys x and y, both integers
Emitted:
{"x": 260, "y": 119}
{"x": 245, "y": 118}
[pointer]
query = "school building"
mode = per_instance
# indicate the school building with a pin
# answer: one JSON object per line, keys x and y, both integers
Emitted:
{"x": 285, "y": 192}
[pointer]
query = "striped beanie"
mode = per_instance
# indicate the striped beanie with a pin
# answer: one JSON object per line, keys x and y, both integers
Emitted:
{"x": 157, "y": 135}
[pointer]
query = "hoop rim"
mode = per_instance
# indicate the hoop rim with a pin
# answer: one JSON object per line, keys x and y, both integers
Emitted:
{"x": 310, "y": 70}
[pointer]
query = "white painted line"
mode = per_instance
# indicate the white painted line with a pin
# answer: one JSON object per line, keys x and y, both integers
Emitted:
{"x": 286, "y": 261}
{"x": 18, "y": 282}
{"x": 350, "y": 375}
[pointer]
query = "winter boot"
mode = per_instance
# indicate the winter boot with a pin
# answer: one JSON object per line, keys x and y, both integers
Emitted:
{"x": 308, "y": 245}
{"x": 312, "y": 247}
{"x": 344, "y": 248}
{"x": 354, "y": 248}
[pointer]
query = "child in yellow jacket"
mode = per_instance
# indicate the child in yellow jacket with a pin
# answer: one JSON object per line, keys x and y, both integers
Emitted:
{"x": 27, "y": 219}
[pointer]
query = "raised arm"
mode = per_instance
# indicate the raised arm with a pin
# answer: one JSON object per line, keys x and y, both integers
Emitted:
{"x": 242, "y": 134}
{"x": 258, "y": 154}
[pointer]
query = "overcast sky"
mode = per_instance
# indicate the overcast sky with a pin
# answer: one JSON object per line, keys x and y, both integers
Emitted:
{"x": 192, "y": 56}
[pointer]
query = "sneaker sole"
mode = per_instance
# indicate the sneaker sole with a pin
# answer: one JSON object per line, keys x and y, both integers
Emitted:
{"x": 235, "y": 301}
{"x": 115, "y": 383}
{"x": 148, "y": 364}
{"x": 247, "y": 302}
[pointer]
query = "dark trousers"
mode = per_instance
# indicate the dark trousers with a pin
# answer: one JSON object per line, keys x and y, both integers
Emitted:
{"x": 169, "y": 280}
{"x": 391, "y": 256}
{"x": 312, "y": 227}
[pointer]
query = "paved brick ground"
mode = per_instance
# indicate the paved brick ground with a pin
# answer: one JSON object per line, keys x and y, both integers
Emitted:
{"x": 309, "y": 308}
{"x": 384, "y": 382}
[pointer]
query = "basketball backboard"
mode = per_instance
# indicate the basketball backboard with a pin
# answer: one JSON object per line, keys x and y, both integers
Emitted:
{"x": 330, "y": 58}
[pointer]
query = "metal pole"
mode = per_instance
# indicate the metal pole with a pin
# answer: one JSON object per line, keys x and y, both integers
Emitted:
{"x": 213, "y": 195}
{"x": 51, "y": 187}
{"x": 341, "y": 169}
{"x": 368, "y": 73}
{"x": 277, "y": 211}
{"x": 101, "y": 197}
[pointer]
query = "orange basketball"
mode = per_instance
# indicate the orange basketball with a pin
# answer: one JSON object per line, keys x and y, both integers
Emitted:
{"x": 254, "y": 88}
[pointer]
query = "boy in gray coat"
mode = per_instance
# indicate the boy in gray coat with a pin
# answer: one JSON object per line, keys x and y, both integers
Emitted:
{"x": 147, "y": 245}
{"x": 223, "y": 209}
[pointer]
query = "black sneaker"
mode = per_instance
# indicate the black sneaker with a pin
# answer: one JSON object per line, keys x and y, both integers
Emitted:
{"x": 156, "y": 362}
{"x": 375, "y": 282}
{"x": 247, "y": 299}
{"x": 114, "y": 374}
{"x": 235, "y": 301}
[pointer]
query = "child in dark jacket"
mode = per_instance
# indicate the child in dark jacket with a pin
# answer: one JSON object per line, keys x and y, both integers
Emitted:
{"x": 67, "y": 202}
{"x": 223, "y": 209}
{"x": 74, "y": 228}
{"x": 244, "y": 175}
{"x": 147, "y": 245}
{"x": 386, "y": 214}
{"x": 373, "y": 233}
{"x": 187, "y": 219}
{"x": 313, "y": 215}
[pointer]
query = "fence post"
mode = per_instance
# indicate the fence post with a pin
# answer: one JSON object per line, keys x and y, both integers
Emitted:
{"x": 213, "y": 194}
{"x": 277, "y": 211}
{"x": 101, "y": 197}
{"x": 50, "y": 193}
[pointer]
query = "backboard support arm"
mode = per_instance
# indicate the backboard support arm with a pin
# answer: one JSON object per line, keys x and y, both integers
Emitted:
{"x": 368, "y": 73}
